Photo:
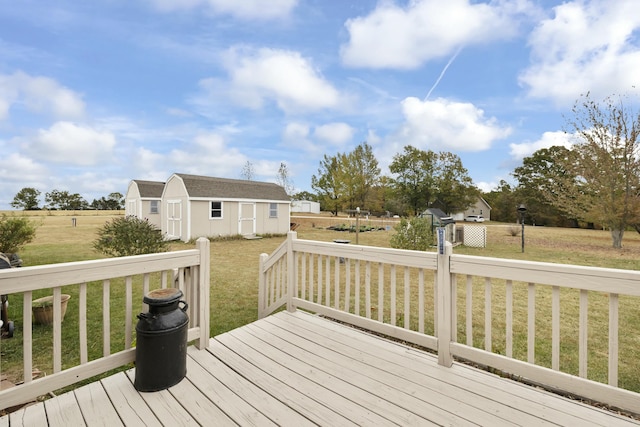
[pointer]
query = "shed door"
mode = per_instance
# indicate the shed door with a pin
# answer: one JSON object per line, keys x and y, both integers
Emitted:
{"x": 247, "y": 219}
{"x": 131, "y": 208}
{"x": 174, "y": 219}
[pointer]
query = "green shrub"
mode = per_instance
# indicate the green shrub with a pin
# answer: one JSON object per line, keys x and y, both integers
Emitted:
{"x": 15, "y": 233}
{"x": 415, "y": 234}
{"x": 130, "y": 236}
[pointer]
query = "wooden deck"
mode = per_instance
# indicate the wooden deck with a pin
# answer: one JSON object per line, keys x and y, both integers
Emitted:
{"x": 298, "y": 369}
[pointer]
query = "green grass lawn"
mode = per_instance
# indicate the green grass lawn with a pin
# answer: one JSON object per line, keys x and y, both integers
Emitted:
{"x": 234, "y": 280}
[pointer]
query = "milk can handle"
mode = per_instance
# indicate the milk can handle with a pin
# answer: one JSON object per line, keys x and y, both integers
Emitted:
{"x": 184, "y": 307}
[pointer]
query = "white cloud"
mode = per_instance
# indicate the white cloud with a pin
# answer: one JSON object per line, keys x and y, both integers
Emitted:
{"x": 148, "y": 165}
{"x": 405, "y": 37}
{"x": 16, "y": 167}
{"x": 68, "y": 143}
{"x": 296, "y": 133}
{"x": 549, "y": 139}
{"x": 40, "y": 95}
{"x": 315, "y": 140}
{"x": 336, "y": 134}
{"x": 284, "y": 77}
{"x": 486, "y": 187}
{"x": 207, "y": 154}
{"x": 448, "y": 125}
{"x": 587, "y": 46}
{"x": 245, "y": 9}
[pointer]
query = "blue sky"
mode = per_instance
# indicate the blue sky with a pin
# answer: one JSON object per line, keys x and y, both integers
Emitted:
{"x": 94, "y": 94}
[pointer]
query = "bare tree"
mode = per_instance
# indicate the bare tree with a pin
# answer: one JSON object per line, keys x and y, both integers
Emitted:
{"x": 248, "y": 172}
{"x": 284, "y": 180}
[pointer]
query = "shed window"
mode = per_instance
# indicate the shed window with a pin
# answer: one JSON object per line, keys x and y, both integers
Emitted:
{"x": 154, "y": 206}
{"x": 216, "y": 209}
{"x": 273, "y": 210}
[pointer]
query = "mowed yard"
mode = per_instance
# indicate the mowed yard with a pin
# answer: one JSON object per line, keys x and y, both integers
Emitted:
{"x": 234, "y": 269}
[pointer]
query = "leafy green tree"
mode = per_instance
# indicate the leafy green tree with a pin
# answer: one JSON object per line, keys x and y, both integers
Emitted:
{"x": 414, "y": 177}
{"x": 455, "y": 189}
{"x": 129, "y": 235}
{"x": 346, "y": 179}
{"x": 63, "y": 200}
{"x": 608, "y": 163}
{"x": 422, "y": 177}
{"x": 547, "y": 180}
{"x": 15, "y": 233}
{"x": 381, "y": 199}
{"x": 26, "y": 199}
{"x": 503, "y": 201}
{"x": 360, "y": 172}
{"x": 414, "y": 234}
{"x": 305, "y": 195}
{"x": 114, "y": 202}
{"x": 329, "y": 184}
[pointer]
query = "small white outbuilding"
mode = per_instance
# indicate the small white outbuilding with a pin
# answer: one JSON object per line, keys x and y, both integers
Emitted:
{"x": 192, "y": 206}
{"x": 305, "y": 206}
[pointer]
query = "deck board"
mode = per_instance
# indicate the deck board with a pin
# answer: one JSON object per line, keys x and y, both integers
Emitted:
{"x": 131, "y": 407}
{"x": 96, "y": 406}
{"x": 33, "y": 415}
{"x": 63, "y": 411}
{"x": 302, "y": 370}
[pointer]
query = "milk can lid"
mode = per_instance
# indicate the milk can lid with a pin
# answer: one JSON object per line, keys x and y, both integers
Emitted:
{"x": 162, "y": 296}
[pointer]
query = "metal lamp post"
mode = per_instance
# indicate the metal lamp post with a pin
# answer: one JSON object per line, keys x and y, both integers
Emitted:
{"x": 357, "y": 223}
{"x": 522, "y": 209}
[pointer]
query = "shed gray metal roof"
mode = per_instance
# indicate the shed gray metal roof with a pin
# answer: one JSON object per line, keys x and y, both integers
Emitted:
{"x": 206, "y": 186}
{"x": 150, "y": 188}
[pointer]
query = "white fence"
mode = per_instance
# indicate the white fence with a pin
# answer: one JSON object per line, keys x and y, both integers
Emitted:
{"x": 188, "y": 270}
{"x": 499, "y": 313}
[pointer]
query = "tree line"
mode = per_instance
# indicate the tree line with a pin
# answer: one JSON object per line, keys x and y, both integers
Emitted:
{"x": 28, "y": 198}
{"x": 594, "y": 182}
{"x": 418, "y": 179}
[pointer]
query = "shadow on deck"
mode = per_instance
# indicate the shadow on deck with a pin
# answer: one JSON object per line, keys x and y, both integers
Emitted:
{"x": 299, "y": 369}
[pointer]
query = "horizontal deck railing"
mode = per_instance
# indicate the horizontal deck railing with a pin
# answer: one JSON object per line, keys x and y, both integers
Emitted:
{"x": 542, "y": 322}
{"x": 98, "y": 286}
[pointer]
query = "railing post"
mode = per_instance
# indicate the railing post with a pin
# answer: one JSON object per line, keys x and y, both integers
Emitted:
{"x": 262, "y": 287}
{"x": 444, "y": 305}
{"x": 291, "y": 269}
{"x": 203, "y": 245}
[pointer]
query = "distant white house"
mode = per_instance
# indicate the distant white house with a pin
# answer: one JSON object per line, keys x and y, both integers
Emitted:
{"x": 480, "y": 207}
{"x": 305, "y": 206}
{"x": 192, "y": 206}
{"x": 144, "y": 199}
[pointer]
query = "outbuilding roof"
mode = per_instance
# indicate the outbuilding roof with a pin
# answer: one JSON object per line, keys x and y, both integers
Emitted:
{"x": 207, "y": 186}
{"x": 149, "y": 189}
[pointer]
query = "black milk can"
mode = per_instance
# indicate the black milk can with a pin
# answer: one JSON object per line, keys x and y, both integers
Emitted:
{"x": 161, "y": 341}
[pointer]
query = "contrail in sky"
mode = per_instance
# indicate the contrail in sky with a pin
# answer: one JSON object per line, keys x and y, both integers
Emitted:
{"x": 444, "y": 70}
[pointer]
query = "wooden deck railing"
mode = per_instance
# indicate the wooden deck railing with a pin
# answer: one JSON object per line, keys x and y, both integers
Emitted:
{"x": 189, "y": 270}
{"x": 506, "y": 315}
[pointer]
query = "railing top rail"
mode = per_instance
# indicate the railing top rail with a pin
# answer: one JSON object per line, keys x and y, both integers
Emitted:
{"x": 610, "y": 280}
{"x": 279, "y": 252}
{"x": 14, "y": 280}
{"x": 401, "y": 257}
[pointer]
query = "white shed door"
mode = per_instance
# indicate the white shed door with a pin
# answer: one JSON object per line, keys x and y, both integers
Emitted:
{"x": 247, "y": 219}
{"x": 174, "y": 219}
{"x": 131, "y": 208}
